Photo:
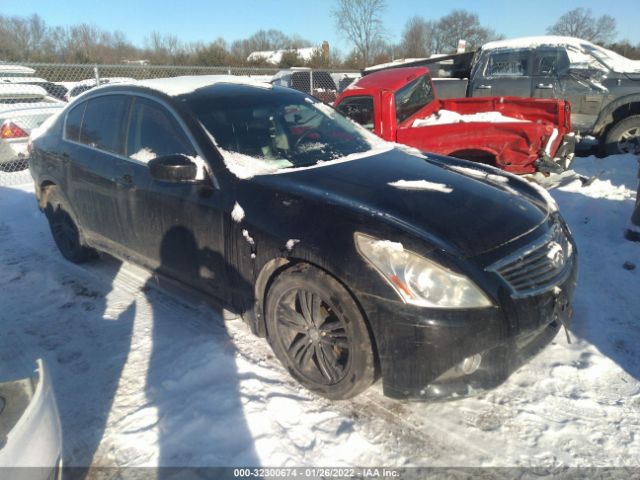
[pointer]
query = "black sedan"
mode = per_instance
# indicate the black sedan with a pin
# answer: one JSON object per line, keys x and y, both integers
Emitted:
{"x": 355, "y": 258}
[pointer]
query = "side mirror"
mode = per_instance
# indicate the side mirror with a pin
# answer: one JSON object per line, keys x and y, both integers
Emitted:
{"x": 175, "y": 168}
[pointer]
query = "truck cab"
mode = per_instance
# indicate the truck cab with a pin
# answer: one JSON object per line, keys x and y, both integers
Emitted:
{"x": 602, "y": 86}
{"x": 515, "y": 134}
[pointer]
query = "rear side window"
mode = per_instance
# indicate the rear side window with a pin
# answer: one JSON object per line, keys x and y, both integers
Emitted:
{"x": 154, "y": 132}
{"x": 413, "y": 97}
{"x": 74, "y": 121}
{"x": 508, "y": 64}
{"x": 359, "y": 109}
{"x": 103, "y": 123}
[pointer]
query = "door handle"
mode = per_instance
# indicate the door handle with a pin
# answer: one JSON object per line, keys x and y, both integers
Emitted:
{"x": 484, "y": 87}
{"x": 545, "y": 86}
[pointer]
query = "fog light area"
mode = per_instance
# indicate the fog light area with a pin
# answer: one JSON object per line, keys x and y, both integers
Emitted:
{"x": 466, "y": 367}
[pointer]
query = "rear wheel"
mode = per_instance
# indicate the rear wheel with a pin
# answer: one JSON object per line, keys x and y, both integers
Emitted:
{"x": 624, "y": 137}
{"x": 64, "y": 230}
{"x": 318, "y": 333}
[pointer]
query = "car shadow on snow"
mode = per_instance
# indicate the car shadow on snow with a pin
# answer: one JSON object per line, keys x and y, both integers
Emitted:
{"x": 140, "y": 376}
{"x": 192, "y": 378}
{"x": 606, "y": 303}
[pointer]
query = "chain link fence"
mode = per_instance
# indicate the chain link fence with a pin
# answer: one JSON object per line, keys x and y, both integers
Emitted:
{"x": 32, "y": 92}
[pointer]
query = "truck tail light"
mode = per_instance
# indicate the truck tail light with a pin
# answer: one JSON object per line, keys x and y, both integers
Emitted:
{"x": 11, "y": 130}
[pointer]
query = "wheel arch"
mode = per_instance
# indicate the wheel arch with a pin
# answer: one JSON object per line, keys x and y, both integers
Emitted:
{"x": 273, "y": 268}
{"x": 616, "y": 111}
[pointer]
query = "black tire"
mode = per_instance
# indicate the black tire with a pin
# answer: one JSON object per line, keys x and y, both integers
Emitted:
{"x": 317, "y": 331}
{"x": 64, "y": 229}
{"x": 624, "y": 137}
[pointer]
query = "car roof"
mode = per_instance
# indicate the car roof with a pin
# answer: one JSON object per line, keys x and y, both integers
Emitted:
{"x": 175, "y": 86}
{"x": 195, "y": 87}
{"x": 21, "y": 90}
{"x": 392, "y": 79}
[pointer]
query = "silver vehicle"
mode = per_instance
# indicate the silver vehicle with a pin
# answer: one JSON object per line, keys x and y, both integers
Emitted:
{"x": 30, "y": 431}
{"x": 22, "y": 109}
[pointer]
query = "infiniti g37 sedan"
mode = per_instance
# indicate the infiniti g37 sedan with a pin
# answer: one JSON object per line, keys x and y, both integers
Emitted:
{"x": 356, "y": 258}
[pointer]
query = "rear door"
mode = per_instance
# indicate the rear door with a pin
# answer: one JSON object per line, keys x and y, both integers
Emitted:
{"x": 503, "y": 73}
{"x": 94, "y": 144}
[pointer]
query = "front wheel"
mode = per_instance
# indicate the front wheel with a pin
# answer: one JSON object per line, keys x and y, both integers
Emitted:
{"x": 318, "y": 333}
{"x": 624, "y": 137}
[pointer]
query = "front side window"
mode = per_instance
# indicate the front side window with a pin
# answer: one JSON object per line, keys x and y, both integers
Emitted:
{"x": 546, "y": 64}
{"x": 413, "y": 97}
{"x": 74, "y": 121}
{"x": 513, "y": 63}
{"x": 103, "y": 123}
{"x": 359, "y": 109}
{"x": 154, "y": 132}
{"x": 282, "y": 129}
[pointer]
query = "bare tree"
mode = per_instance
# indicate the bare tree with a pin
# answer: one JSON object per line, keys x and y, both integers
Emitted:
{"x": 360, "y": 21}
{"x": 460, "y": 25}
{"x": 418, "y": 38}
{"x": 581, "y": 23}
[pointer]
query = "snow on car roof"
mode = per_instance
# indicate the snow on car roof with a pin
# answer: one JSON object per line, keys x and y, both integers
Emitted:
{"x": 582, "y": 48}
{"x": 531, "y": 42}
{"x": 20, "y": 90}
{"x": 174, "y": 86}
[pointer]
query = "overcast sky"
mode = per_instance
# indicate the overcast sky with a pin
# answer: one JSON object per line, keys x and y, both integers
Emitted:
{"x": 235, "y": 19}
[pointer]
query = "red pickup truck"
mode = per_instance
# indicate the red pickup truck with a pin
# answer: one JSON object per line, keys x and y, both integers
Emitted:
{"x": 519, "y": 135}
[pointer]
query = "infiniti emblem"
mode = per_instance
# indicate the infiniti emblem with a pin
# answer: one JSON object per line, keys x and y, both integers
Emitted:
{"x": 556, "y": 255}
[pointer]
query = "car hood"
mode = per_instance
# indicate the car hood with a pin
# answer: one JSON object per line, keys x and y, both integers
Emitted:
{"x": 449, "y": 209}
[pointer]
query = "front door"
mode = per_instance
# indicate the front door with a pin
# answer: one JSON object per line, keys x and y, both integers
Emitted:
{"x": 174, "y": 228}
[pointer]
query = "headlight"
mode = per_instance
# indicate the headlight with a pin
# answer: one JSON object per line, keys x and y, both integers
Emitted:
{"x": 417, "y": 280}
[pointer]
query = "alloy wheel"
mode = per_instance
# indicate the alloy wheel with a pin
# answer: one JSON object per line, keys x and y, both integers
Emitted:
{"x": 629, "y": 141}
{"x": 315, "y": 337}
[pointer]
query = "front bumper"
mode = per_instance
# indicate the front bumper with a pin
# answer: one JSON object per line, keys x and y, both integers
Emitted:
{"x": 562, "y": 159}
{"x": 418, "y": 348}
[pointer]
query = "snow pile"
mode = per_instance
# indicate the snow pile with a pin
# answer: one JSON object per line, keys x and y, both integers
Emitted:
{"x": 144, "y": 155}
{"x": 237, "y": 213}
{"x": 291, "y": 243}
{"x": 445, "y": 117}
{"x": 248, "y": 238}
{"x": 421, "y": 185}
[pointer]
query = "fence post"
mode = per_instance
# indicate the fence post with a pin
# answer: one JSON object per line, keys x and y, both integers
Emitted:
{"x": 97, "y": 74}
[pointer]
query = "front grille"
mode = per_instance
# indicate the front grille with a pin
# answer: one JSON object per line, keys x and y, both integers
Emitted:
{"x": 538, "y": 267}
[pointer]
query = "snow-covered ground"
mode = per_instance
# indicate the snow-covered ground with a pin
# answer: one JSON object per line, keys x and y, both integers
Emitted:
{"x": 147, "y": 377}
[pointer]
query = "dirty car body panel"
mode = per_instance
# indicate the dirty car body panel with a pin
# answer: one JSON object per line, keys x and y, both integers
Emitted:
{"x": 312, "y": 214}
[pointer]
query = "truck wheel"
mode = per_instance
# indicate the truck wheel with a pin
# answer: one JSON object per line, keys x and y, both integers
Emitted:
{"x": 624, "y": 137}
{"x": 64, "y": 230}
{"x": 318, "y": 333}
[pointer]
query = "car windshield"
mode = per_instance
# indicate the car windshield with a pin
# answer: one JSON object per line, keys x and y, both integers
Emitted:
{"x": 412, "y": 97}
{"x": 285, "y": 130}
